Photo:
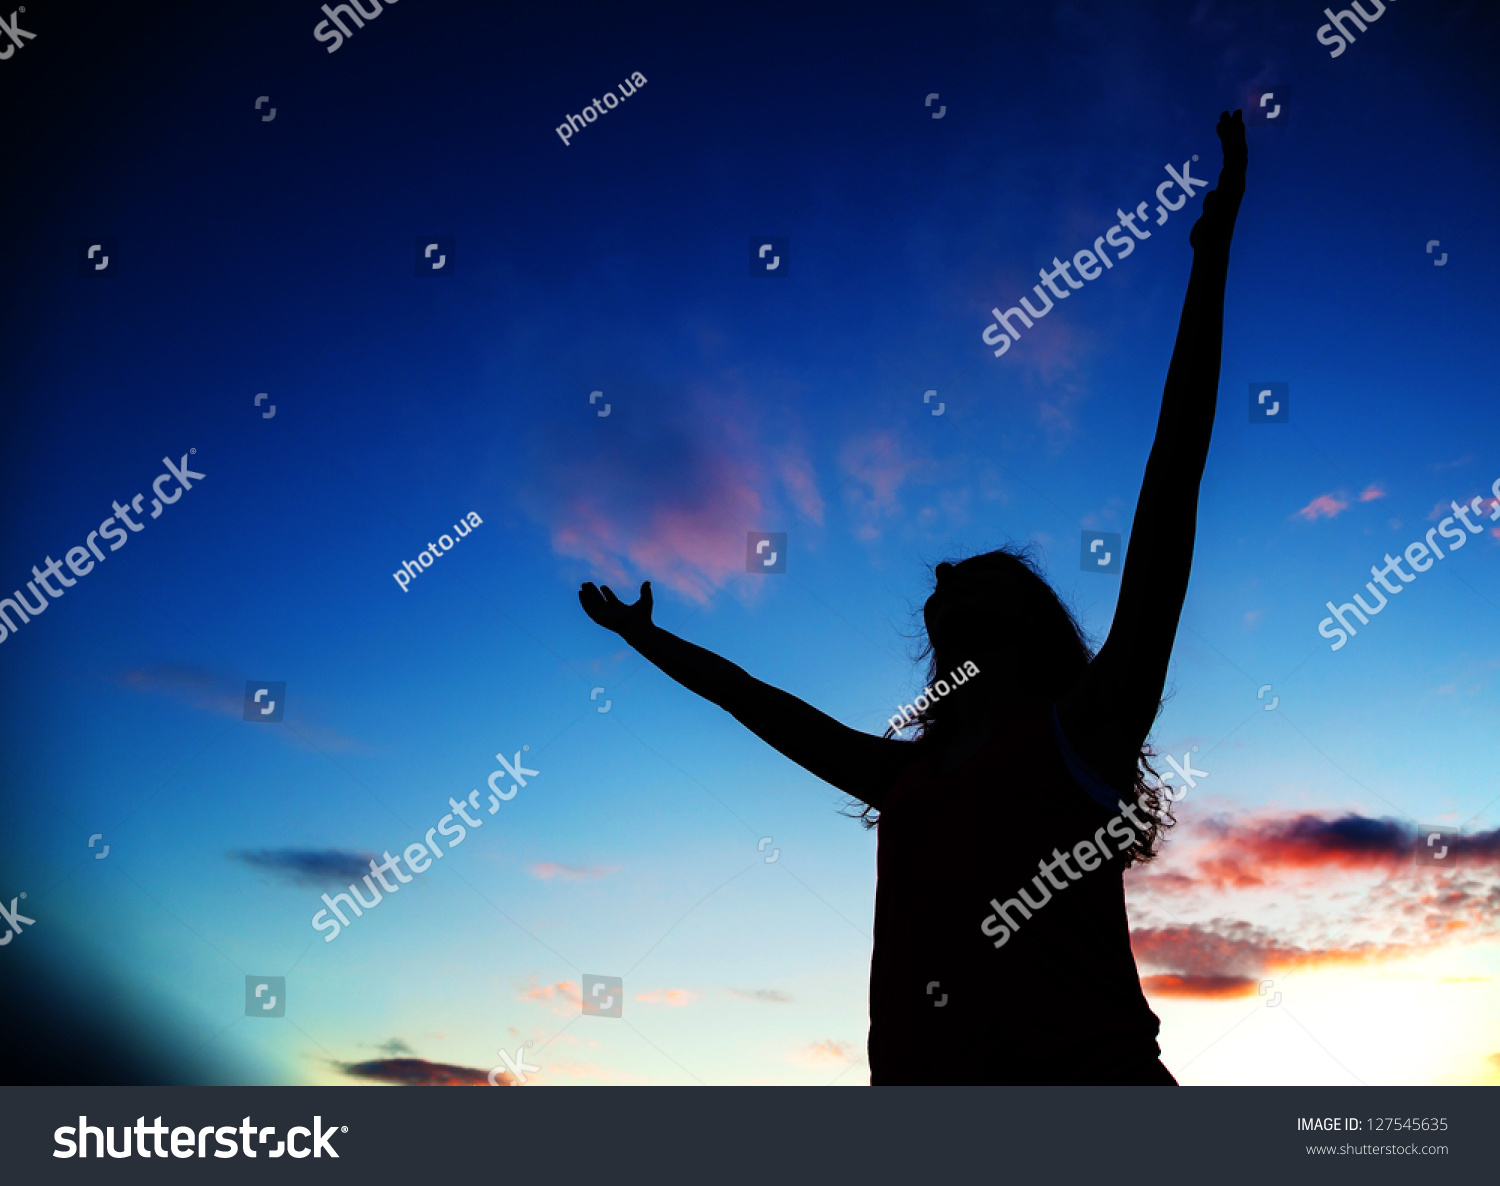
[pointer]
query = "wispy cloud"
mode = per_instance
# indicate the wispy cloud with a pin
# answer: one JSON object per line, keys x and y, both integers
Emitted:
{"x": 563, "y": 997}
{"x": 821, "y": 1054}
{"x": 1325, "y": 506}
{"x": 224, "y": 695}
{"x": 549, "y": 869}
{"x": 308, "y": 866}
{"x": 672, "y": 998}
{"x": 760, "y": 994}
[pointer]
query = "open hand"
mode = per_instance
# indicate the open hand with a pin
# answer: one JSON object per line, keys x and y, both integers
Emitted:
{"x": 1221, "y": 204}
{"x": 612, "y": 613}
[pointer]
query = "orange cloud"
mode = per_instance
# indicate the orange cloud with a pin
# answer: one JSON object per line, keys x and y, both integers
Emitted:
{"x": 564, "y": 997}
{"x": 821, "y": 1054}
{"x": 1227, "y": 958}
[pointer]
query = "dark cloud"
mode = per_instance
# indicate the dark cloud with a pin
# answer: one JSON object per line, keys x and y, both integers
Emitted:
{"x": 1247, "y": 853}
{"x": 418, "y": 1072}
{"x": 308, "y": 866}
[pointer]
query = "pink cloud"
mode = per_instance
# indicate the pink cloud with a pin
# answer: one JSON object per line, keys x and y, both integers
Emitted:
{"x": 1371, "y": 492}
{"x": 1325, "y": 506}
{"x": 672, "y": 998}
{"x": 671, "y": 503}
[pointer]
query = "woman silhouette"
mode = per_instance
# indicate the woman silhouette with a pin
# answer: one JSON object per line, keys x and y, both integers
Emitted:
{"x": 984, "y": 970}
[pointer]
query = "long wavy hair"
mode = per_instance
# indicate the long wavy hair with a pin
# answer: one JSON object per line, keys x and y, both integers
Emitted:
{"x": 1046, "y": 652}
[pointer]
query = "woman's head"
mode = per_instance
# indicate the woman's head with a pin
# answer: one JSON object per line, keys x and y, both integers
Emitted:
{"x": 996, "y": 611}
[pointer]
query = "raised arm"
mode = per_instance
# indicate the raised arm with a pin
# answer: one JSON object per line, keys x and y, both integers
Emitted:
{"x": 1109, "y": 712}
{"x": 858, "y": 764}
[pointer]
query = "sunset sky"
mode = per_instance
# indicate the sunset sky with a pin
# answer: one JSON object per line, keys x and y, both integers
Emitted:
{"x": 1287, "y": 935}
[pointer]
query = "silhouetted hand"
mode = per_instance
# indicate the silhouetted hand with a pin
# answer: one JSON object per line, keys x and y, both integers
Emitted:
{"x": 612, "y": 613}
{"x": 1221, "y": 204}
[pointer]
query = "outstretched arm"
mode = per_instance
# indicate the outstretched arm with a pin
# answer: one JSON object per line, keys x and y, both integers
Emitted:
{"x": 858, "y": 764}
{"x": 1109, "y": 712}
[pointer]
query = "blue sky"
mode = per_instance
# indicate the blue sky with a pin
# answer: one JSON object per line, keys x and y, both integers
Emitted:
{"x": 278, "y": 257}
